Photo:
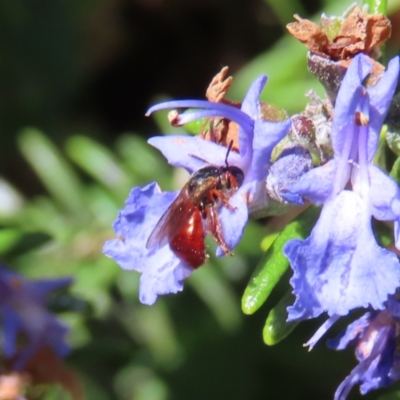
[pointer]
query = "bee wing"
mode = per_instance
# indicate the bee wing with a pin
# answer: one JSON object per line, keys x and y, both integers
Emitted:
{"x": 172, "y": 221}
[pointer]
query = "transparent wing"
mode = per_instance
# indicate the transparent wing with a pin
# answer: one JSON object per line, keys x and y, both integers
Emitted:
{"x": 172, "y": 221}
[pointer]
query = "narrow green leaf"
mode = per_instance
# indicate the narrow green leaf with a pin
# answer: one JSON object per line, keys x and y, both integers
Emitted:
{"x": 145, "y": 161}
{"x": 64, "y": 302}
{"x": 380, "y": 156}
{"x": 198, "y": 126}
{"x": 36, "y": 215}
{"x": 273, "y": 264}
{"x": 390, "y": 396}
{"x": 26, "y": 243}
{"x": 395, "y": 172}
{"x": 383, "y": 233}
{"x": 276, "y": 327}
{"x": 56, "y": 174}
{"x": 157, "y": 331}
{"x": 376, "y": 6}
{"x": 268, "y": 240}
{"x": 393, "y": 138}
{"x": 218, "y": 295}
{"x": 98, "y": 162}
{"x": 8, "y": 238}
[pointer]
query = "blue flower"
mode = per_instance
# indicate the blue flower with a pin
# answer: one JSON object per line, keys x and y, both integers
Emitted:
{"x": 374, "y": 336}
{"x": 23, "y": 310}
{"x": 340, "y": 267}
{"x": 162, "y": 271}
{"x": 257, "y": 139}
{"x": 292, "y": 163}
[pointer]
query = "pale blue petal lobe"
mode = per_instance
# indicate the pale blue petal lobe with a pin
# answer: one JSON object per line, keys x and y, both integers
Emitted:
{"x": 266, "y": 136}
{"x": 192, "y": 153}
{"x": 315, "y": 185}
{"x": 162, "y": 272}
{"x": 336, "y": 268}
{"x": 234, "y": 221}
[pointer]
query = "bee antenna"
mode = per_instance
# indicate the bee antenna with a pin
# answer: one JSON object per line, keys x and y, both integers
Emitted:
{"x": 227, "y": 153}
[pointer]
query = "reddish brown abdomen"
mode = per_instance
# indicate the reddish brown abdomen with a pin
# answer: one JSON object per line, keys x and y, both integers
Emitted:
{"x": 188, "y": 245}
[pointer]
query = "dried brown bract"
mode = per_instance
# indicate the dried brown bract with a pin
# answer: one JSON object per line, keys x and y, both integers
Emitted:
{"x": 219, "y": 86}
{"x": 310, "y": 34}
{"x": 360, "y": 33}
{"x": 221, "y": 130}
{"x": 335, "y": 42}
{"x": 357, "y": 33}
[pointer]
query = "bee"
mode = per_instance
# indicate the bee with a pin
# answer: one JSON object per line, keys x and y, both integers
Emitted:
{"x": 194, "y": 213}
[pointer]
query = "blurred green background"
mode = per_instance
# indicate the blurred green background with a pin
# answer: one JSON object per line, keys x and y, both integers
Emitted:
{"x": 76, "y": 77}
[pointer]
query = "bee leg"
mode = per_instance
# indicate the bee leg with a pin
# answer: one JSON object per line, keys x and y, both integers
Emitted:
{"x": 217, "y": 194}
{"x": 214, "y": 228}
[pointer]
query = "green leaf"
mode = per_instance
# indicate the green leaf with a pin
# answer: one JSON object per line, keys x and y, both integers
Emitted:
{"x": 56, "y": 174}
{"x": 143, "y": 160}
{"x": 276, "y": 327}
{"x": 273, "y": 264}
{"x": 380, "y": 156}
{"x": 98, "y": 162}
{"x": 285, "y": 9}
{"x": 198, "y": 126}
{"x": 376, "y": 6}
{"x": 393, "y": 140}
{"x": 390, "y": 396}
{"x": 383, "y": 233}
{"x": 36, "y": 215}
{"x": 157, "y": 331}
{"x": 26, "y": 243}
{"x": 218, "y": 295}
{"x": 395, "y": 172}
{"x": 8, "y": 238}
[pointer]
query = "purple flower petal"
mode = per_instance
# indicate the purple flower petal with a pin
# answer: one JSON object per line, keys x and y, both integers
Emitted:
{"x": 348, "y": 98}
{"x": 393, "y": 306}
{"x": 321, "y": 331}
{"x": 290, "y": 166}
{"x": 266, "y": 136}
{"x": 335, "y": 269}
{"x": 234, "y": 221}
{"x": 213, "y": 110}
{"x": 384, "y": 195}
{"x": 375, "y": 347}
{"x": 41, "y": 288}
{"x": 162, "y": 272}
{"x": 135, "y": 224}
{"x": 250, "y": 106}
{"x": 380, "y": 97}
{"x": 192, "y": 153}
{"x": 23, "y": 310}
{"x": 315, "y": 185}
{"x": 11, "y": 327}
{"x": 352, "y": 332}
{"x": 251, "y": 100}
